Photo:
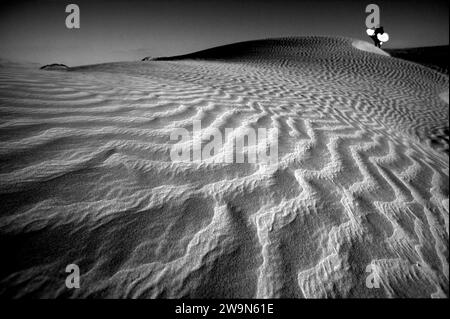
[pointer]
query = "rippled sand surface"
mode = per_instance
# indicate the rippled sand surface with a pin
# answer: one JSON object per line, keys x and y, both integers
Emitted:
{"x": 362, "y": 177}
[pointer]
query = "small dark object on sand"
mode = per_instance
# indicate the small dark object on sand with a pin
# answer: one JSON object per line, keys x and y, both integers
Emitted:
{"x": 55, "y": 67}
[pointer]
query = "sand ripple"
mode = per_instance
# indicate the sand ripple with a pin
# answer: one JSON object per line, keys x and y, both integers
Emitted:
{"x": 362, "y": 179}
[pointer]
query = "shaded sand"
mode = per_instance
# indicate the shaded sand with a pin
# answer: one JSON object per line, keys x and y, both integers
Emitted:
{"x": 435, "y": 57}
{"x": 362, "y": 179}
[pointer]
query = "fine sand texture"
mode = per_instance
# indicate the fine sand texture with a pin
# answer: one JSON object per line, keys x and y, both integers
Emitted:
{"x": 360, "y": 193}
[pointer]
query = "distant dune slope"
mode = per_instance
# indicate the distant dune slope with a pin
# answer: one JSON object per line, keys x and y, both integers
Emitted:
{"x": 434, "y": 57}
{"x": 361, "y": 187}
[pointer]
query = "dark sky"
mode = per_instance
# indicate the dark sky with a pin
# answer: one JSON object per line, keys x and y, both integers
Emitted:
{"x": 116, "y": 30}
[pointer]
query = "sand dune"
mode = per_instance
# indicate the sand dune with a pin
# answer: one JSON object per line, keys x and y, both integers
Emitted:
{"x": 435, "y": 57}
{"x": 362, "y": 177}
{"x": 368, "y": 47}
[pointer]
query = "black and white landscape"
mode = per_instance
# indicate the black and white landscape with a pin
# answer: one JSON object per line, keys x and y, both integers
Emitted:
{"x": 360, "y": 187}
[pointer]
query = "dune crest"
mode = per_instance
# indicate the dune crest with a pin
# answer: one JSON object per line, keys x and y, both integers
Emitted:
{"x": 361, "y": 186}
{"x": 368, "y": 47}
